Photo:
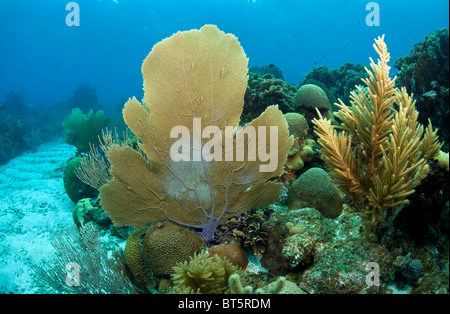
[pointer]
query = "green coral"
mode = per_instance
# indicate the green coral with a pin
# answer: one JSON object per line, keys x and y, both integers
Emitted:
{"x": 268, "y": 69}
{"x": 339, "y": 82}
{"x": 331, "y": 99}
{"x": 74, "y": 187}
{"x": 315, "y": 189}
{"x": 425, "y": 73}
{"x": 88, "y": 210}
{"x": 83, "y": 129}
{"x": 264, "y": 91}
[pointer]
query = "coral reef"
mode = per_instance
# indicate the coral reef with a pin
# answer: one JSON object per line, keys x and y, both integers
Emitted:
{"x": 203, "y": 75}
{"x": 442, "y": 159}
{"x": 301, "y": 152}
{"x": 424, "y": 218}
{"x": 281, "y": 286}
{"x": 323, "y": 255}
{"x": 246, "y": 230}
{"x": 310, "y": 96}
{"x": 407, "y": 269}
{"x": 378, "y": 157}
{"x": 84, "y": 97}
{"x": 12, "y": 132}
{"x": 24, "y": 126}
{"x": 314, "y": 188}
{"x": 424, "y": 73}
{"x": 268, "y": 69}
{"x": 89, "y": 211}
{"x": 264, "y": 91}
{"x": 339, "y": 82}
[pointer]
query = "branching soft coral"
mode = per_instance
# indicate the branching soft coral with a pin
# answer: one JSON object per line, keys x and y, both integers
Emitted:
{"x": 380, "y": 151}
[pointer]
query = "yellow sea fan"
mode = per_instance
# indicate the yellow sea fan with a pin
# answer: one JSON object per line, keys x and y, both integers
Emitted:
{"x": 198, "y": 74}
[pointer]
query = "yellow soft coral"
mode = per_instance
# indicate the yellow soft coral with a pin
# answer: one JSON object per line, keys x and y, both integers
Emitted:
{"x": 379, "y": 150}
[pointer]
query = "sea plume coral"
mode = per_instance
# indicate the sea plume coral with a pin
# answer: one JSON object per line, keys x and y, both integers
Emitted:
{"x": 380, "y": 151}
{"x": 193, "y": 75}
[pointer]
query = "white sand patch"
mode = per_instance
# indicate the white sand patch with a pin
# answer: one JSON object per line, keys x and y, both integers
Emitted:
{"x": 33, "y": 205}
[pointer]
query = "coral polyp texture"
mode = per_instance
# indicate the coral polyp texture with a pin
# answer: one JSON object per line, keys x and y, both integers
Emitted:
{"x": 166, "y": 244}
{"x": 302, "y": 150}
{"x": 314, "y": 188}
{"x": 197, "y": 74}
{"x": 310, "y": 98}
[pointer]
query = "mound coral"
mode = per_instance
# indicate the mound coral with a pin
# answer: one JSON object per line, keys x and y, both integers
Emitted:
{"x": 134, "y": 261}
{"x": 74, "y": 187}
{"x": 166, "y": 244}
{"x": 340, "y": 82}
{"x": 310, "y": 97}
{"x": 298, "y": 126}
{"x": 380, "y": 152}
{"x": 154, "y": 251}
{"x": 315, "y": 189}
{"x": 302, "y": 150}
{"x": 198, "y": 74}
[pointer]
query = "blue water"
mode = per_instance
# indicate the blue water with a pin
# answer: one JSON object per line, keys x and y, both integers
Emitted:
{"x": 46, "y": 59}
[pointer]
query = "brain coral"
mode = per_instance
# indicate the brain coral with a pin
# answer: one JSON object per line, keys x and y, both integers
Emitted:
{"x": 311, "y": 96}
{"x": 297, "y": 124}
{"x": 315, "y": 189}
{"x": 133, "y": 257}
{"x": 166, "y": 244}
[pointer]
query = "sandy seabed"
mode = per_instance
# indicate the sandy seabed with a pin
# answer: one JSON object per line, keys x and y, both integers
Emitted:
{"x": 33, "y": 205}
